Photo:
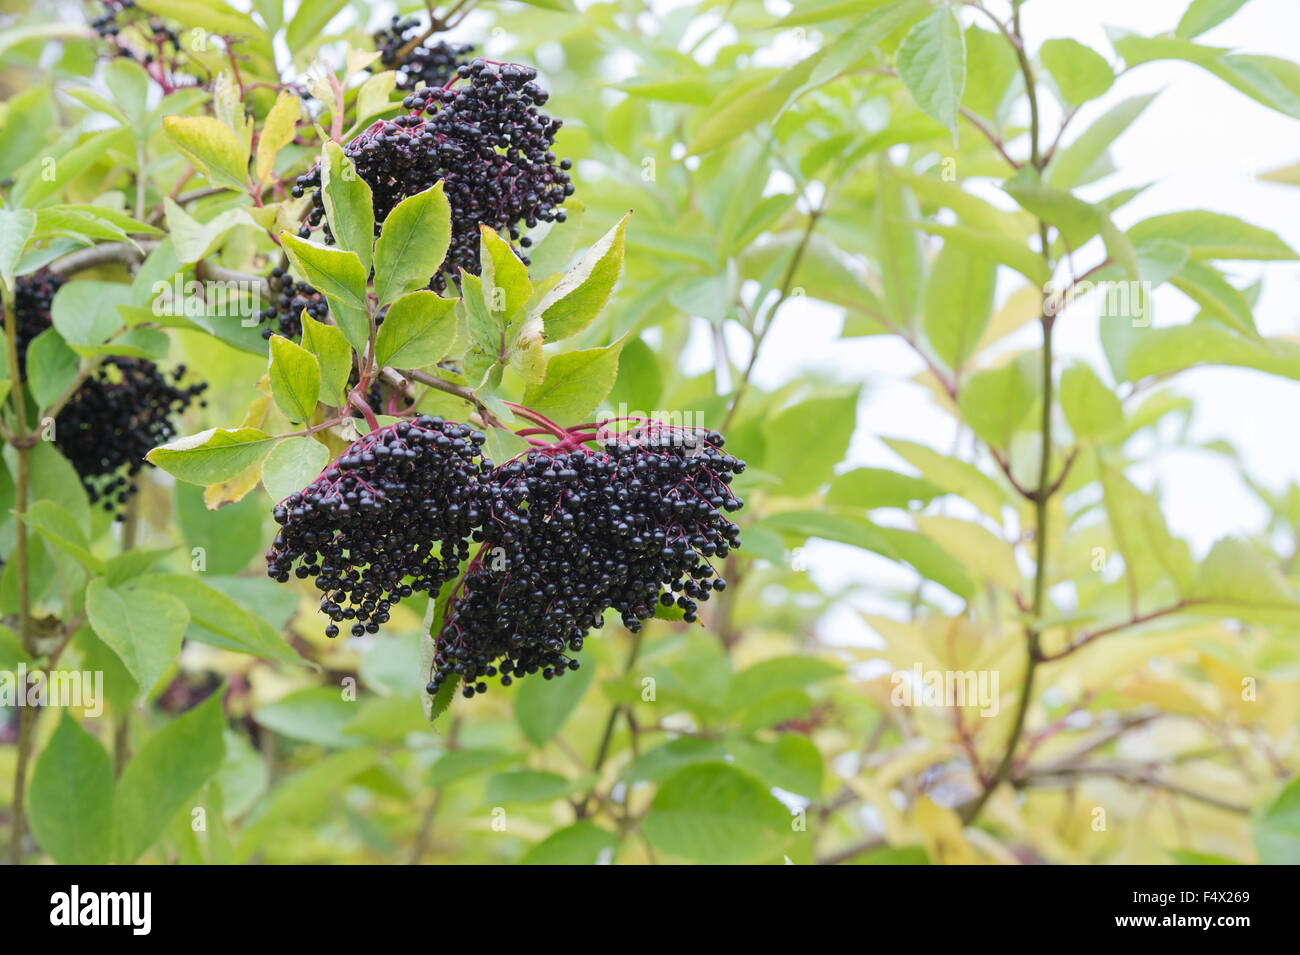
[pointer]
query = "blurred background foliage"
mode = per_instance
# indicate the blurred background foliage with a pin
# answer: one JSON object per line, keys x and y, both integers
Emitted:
{"x": 771, "y": 154}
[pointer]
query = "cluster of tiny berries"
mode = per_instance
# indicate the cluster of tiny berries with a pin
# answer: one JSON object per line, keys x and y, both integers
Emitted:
{"x": 288, "y": 300}
{"x": 118, "y": 416}
{"x": 164, "y": 41}
{"x": 33, "y": 299}
{"x": 486, "y": 139}
{"x": 398, "y": 503}
{"x": 431, "y": 64}
{"x": 569, "y": 535}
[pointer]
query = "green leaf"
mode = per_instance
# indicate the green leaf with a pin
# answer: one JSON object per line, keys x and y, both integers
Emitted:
{"x": 295, "y": 379}
{"x": 314, "y": 715}
{"x": 333, "y": 353}
{"x": 1213, "y": 235}
{"x": 194, "y": 240}
{"x": 1151, "y": 553}
{"x": 1203, "y": 15}
{"x": 418, "y": 331}
{"x": 16, "y": 227}
{"x": 582, "y": 843}
{"x": 166, "y": 775}
{"x": 575, "y": 301}
{"x": 1070, "y": 166}
{"x": 869, "y": 488}
{"x": 778, "y": 673}
{"x": 1091, "y": 408}
{"x": 1080, "y": 72}
{"x": 1161, "y": 351}
{"x": 932, "y": 64}
{"x": 53, "y": 522}
{"x": 1236, "y": 578}
{"x": 953, "y": 475}
{"x": 277, "y": 132}
{"x": 1002, "y": 249}
{"x": 1276, "y": 832}
{"x": 349, "y": 207}
{"x": 340, "y": 277}
{"x": 505, "y": 278}
{"x": 85, "y": 312}
{"x": 929, "y": 560}
{"x": 898, "y": 246}
{"x": 214, "y": 455}
{"x": 527, "y": 785}
{"x": 994, "y": 402}
{"x": 51, "y": 366}
{"x": 1206, "y": 286}
{"x": 71, "y": 797}
{"x": 143, "y": 627}
{"x": 292, "y": 465}
{"x": 821, "y": 446}
{"x": 717, "y": 815}
{"x": 219, "y": 619}
{"x": 991, "y": 66}
{"x": 958, "y": 303}
{"x": 75, "y": 156}
{"x": 1076, "y": 220}
{"x": 576, "y": 383}
{"x": 310, "y": 21}
{"x": 458, "y": 764}
{"x": 542, "y": 706}
{"x": 230, "y": 536}
{"x": 791, "y": 762}
{"x": 212, "y": 147}
{"x": 413, "y": 244}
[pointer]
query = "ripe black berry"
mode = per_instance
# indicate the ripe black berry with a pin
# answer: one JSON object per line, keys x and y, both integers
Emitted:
{"x": 483, "y": 135}
{"x": 398, "y": 503}
{"x": 569, "y": 534}
{"x": 33, "y": 297}
{"x": 431, "y": 64}
{"x": 118, "y": 415}
{"x": 288, "y": 300}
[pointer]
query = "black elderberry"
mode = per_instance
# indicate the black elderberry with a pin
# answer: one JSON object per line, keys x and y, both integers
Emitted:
{"x": 485, "y": 137}
{"x": 33, "y": 298}
{"x": 116, "y": 417}
{"x": 288, "y": 301}
{"x": 430, "y": 64}
{"x": 568, "y": 534}
{"x": 398, "y": 504}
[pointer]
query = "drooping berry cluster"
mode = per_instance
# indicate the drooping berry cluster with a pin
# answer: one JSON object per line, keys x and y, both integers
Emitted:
{"x": 487, "y": 139}
{"x": 570, "y": 534}
{"x": 117, "y": 417}
{"x": 33, "y": 298}
{"x": 431, "y": 64}
{"x": 152, "y": 42}
{"x": 399, "y": 503}
{"x": 288, "y": 300}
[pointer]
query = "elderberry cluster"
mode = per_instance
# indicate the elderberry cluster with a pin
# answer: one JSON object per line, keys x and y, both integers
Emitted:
{"x": 432, "y": 64}
{"x": 568, "y": 535}
{"x": 288, "y": 300}
{"x": 487, "y": 140}
{"x": 116, "y": 417}
{"x": 33, "y": 298}
{"x": 154, "y": 41}
{"x": 399, "y": 503}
